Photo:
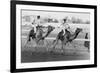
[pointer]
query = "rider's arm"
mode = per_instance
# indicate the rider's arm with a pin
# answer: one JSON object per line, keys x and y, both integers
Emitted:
{"x": 67, "y": 26}
{"x": 60, "y": 26}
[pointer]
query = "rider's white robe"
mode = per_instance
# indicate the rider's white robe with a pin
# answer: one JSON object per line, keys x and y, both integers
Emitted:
{"x": 65, "y": 26}
{"x": 36, "y": 23}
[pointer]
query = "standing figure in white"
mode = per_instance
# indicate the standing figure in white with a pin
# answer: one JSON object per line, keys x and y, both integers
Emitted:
{"x": 36, "y": 23}
{"x": 65, "y": 25}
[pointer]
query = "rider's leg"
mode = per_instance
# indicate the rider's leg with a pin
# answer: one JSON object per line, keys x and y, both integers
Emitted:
{"x": 63, "y": 31}
{"x": 70, "y": 30}
{"x": 34, "y": 29}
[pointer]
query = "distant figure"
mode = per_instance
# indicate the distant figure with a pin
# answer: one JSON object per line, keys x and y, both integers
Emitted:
{"x": 36, "y": 23}
{"x": 87, "y": 43}
{"x": 65, "y": 25}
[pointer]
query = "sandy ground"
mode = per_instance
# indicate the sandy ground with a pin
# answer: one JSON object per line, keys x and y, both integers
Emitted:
{"x": 44, "y": 53}
{"x": 28, "y": 56}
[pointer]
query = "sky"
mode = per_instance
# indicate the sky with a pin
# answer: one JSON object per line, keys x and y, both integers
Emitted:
{"x": 58, "y": 15}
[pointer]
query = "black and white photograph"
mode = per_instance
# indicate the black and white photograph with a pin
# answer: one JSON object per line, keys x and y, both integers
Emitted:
{"x": 53, "y": 36}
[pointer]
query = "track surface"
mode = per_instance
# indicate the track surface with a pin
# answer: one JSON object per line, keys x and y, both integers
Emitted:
{"x": 42, "y": 54}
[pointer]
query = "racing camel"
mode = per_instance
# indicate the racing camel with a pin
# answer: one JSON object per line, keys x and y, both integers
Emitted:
{"x": 39, "y": 35}
{"x": 66, "y": 38}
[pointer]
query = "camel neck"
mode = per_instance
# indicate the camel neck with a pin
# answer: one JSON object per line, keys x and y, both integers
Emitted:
{"x": 47, "y": 34}
{"x": 76, "y": 34}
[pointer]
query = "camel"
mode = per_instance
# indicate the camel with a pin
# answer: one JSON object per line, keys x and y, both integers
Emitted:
{"x": 66, "y": 38}
{"x": 39, "y": 34}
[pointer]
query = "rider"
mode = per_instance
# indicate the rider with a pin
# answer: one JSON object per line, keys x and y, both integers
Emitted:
{"x": 36, "y": 23}
{"x": 65, "y": 25}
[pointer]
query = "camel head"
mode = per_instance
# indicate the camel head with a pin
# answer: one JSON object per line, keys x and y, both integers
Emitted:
{"x": 78, "y": 30}
{"x": 50, "y": 28}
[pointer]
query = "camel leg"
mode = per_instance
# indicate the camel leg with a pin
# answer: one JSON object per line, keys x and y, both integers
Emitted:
{"x": 36, "y": 44}
{"x": 27, "y": 40}
{"x": 28, "y": 43}
{"x": 55, "y": 43}
{"x": 75, "y": 52}
{"x": 73, "y": 44}
{"x": 47, "y": 45}
{"x": 63, "y": 47}
{"x": 88, "y": 49}
{"x": 43, "y": 42}
{"x": 68, "y": 43}
{"x": 34, "y": 41}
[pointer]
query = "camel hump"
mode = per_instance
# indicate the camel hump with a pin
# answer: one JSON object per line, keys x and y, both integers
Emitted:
{"x": 61, "y": 32}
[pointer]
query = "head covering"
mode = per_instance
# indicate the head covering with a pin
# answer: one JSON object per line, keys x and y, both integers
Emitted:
{"x": 64, "y": 20}
{"x": 38, "y": 17}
